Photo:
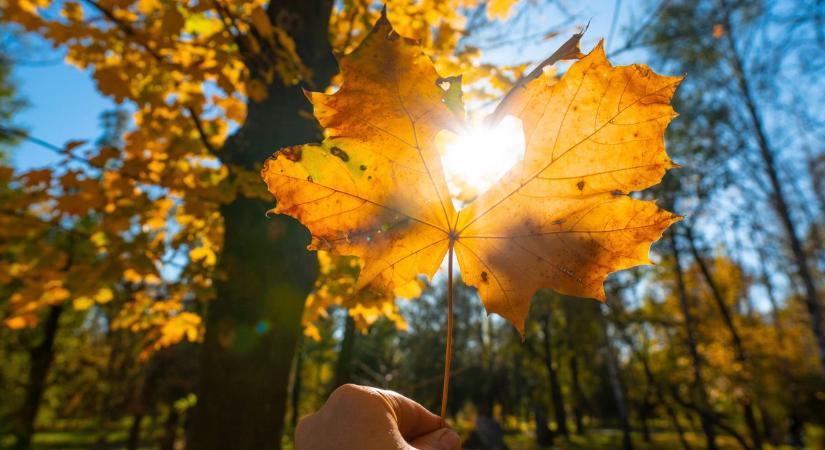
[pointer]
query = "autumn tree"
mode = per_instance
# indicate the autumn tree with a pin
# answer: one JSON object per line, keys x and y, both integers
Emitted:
{"x": 188, "y": 72}
{"x": 710, "y": 42}
{"x": 10, "y": 104}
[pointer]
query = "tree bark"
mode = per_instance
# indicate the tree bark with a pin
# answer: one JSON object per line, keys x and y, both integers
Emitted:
{"x": 133, "y": 441}
{"x": 297, "y": 384}
{"x": 645, "y": 408}
{"x": 264, "y": 270}
{"x": 660, "y": 397}
{"x": 736, "y": 340}
{"x": 578, "y": 395}
{"x": 170, "y": 429}
{"x": 41, "y": 358}
{"x": 767, "y": 154}
{"x": 544, "y": 436}
{"x": 343, "y": 367}
{"x": 616, "y": 386}
{"x": 705, "y": 413}
{"x": 657, "y": 390}
{"x": 553, "y": 377}
{"x": 795, "y": 423}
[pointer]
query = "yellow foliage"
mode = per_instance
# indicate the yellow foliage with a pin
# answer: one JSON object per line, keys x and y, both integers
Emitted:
{"x": 186, "y": 77}
{"x": 336, "y": 287}
{"x": 204, "y": 255}
{"x": 16, "y": 323}
{"x": 182, "y": 326}
{"x": 82, "y": 303}
{"x": 500, "y": 9}
{"x": 104, "y": 295}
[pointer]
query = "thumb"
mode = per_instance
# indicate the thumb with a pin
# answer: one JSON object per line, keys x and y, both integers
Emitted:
{"x": 441, "y": 439}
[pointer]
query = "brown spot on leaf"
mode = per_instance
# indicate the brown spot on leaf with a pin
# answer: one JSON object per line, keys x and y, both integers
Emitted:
{"x": 484, "y": 277}
{"x": 293, "y": 154}
{"x": 336, "y": 151}
{"x": 309, "y": 178}
{"x": 363, "y": 167}
{"x": 580, "y": 185}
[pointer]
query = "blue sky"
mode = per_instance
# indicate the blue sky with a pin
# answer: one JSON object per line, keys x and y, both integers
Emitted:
{"x": 64, "y": 104}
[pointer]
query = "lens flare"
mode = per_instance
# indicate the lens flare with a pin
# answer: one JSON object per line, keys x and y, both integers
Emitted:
{"x": 474, "y": 160}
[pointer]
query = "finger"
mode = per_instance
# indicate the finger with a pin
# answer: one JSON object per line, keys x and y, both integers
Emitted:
{"x": 303, "y": 432}
{"x": 413, "y": 419}
{"x": 442, "y": 439}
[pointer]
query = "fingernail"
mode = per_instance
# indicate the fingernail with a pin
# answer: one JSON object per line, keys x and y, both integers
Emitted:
{"x": 449, "y": 440}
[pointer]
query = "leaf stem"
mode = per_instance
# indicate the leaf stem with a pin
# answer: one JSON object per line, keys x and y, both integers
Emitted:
{"x": 448, "y": 357}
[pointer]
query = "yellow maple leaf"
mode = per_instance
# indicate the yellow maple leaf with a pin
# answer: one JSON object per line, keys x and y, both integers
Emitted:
{"x": 203, "y": 254}
{"x": 16, "y": 323}
{"x": 179, "y": 327}
{"x": 500, "y": 9}
{"x": 82, "y": 303}
{"x": 559, "y": 219}
{"x": 104, "y": 295}
{"x": 335, "y": 287}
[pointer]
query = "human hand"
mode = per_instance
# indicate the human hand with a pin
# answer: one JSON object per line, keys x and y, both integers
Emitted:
{"x": 364, "y": 418}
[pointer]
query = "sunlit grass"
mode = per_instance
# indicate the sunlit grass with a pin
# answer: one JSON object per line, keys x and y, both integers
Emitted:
{"x": 594, "y": 439}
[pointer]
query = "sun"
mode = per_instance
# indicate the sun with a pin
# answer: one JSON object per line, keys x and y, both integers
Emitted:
{"x": 475, "y": 159}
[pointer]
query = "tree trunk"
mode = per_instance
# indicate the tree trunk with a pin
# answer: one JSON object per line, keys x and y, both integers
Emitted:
{"x": 780, "y": 202}
{"x": 796, "y": 430}
{"x": 265, "y": 270}
{"x": 657, "y": 391}
{"x": 794, "y": 419}
{"x": 578, "y": 395}
{"x": 170, "y": 429}
{"x": 133, "y": 442}
{"x": 41, "y": 358}
{"x": 736, "y": 340}
{"x": 343, "y": 367}
{"x": 705, "y": 412}
{"x": 553, "y": 377}
{"x": 142, "y": 404}
{"x": 514, "y": 405}
{"x": 645, "y": 408}
{"x": 297, "y": 384}
{"x": 616, "y": 386}
{"x": 671, "y": 413}
{"x": 769, "y": 428}
{"x": 544, "y": 436}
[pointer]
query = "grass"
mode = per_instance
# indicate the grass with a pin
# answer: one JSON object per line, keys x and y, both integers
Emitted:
{"x": 661, "y": 440}
{"x": 76, "y": 435}
{"x": 596, "y": 439}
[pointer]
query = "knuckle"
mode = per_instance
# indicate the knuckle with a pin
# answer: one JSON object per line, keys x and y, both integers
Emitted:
{"x": 355, "y": 395}
{"x": 349, "y": 390}
{"x": 304, "y": 427}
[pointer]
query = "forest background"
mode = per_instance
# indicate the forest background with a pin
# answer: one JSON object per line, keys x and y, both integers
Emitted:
{"x": 147, "y": 302}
